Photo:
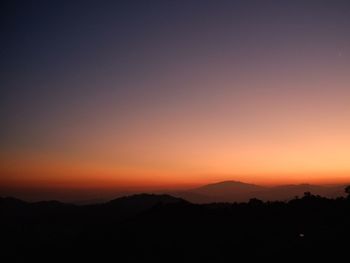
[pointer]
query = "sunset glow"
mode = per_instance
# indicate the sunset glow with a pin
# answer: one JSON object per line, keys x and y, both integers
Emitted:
{"x": 104, "y": 100}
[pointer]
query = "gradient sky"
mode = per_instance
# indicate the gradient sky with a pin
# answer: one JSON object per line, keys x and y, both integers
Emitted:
{"x": 174, "y": 93}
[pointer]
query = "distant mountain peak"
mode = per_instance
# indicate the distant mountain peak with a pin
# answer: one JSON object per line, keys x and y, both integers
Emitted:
{"x": 229, "y": 182}
{"x": 231, "y": 190}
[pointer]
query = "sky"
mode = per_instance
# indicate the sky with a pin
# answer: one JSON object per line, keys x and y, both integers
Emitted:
{"x": 154, "y": 94}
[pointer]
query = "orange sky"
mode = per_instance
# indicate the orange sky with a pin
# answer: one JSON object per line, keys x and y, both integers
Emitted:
{"x": 269, "y": 138}
{"x": 261, "y": 96}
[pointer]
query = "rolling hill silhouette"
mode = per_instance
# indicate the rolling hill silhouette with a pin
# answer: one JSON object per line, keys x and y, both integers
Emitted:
{"x": 162, "y": 228}
{"x": 133, "y": 204}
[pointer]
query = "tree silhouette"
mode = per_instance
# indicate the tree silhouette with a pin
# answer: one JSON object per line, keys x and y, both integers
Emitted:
{"x": 307, "y": 194}
{"x": 255, "y": 201}
{"x": 347, "y": 190}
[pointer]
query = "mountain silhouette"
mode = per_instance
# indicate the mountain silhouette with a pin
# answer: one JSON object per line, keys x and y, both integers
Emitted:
{"x": 228, "y": 191}
{"x": 11, "y": 202}
{"x": 227, "y": 188}
{"x": 235, "y": 191}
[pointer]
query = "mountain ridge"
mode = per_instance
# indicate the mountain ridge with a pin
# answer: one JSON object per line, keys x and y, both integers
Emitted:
{"x": 237, "y": 191}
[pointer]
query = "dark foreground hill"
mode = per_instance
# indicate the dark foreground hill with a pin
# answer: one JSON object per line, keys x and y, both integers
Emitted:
{"x": 152, "y": 228}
